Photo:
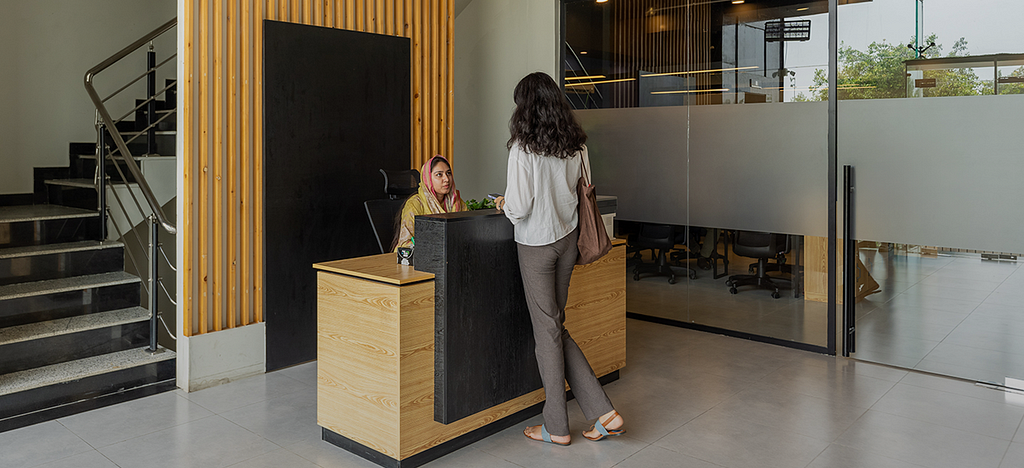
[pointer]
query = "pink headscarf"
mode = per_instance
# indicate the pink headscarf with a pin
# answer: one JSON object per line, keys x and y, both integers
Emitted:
{"x": 452, "y": 200}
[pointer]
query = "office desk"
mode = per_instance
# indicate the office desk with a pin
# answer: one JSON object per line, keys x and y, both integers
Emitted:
{"x": 376, "y": 355}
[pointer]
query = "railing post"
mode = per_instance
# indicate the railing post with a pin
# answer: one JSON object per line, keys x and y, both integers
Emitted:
{"x": 151, "y": 106}
{"x": 154, "y": 270}
{"x": 101, "y": 174}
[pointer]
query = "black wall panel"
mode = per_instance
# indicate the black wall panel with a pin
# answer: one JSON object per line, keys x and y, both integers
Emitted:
{"x": 336, "y": 109}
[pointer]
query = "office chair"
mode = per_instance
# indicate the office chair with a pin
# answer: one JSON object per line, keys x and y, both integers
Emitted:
{"x": 762, "y": 246}
{"x": 780, "y": 264}
{"x": 384, "y": 212}
{"x": 660, "y": 238}
{"x": 399, "y": 185}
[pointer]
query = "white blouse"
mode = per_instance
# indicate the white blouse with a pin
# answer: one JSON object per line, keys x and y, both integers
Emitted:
{"x": 540, "y": 195}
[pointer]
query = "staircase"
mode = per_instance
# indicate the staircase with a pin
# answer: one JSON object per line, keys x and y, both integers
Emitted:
{"x": 73, "y": 335}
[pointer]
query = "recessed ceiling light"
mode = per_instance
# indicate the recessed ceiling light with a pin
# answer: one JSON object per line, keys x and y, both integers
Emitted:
{"x": 583, "y": 52}
{"x": 804, "y": 8}
{"x": 602, "y": 1}
{"x": 737, "y": 2}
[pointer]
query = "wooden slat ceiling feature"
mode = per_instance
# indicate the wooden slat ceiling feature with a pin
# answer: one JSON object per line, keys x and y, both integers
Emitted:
{"x": 223, "y": 150}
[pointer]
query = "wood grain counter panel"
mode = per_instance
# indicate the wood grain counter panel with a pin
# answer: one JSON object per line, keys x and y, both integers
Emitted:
{"x": 376, "y": 355}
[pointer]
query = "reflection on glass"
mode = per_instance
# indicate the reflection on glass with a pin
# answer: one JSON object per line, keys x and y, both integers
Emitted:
{"x": 647, "y": 53}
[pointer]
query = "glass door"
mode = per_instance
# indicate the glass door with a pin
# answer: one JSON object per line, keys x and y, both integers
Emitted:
{"x": 935, "y": 156}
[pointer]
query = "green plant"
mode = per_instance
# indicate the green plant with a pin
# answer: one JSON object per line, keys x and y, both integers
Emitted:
{"x": 472, "y": 204}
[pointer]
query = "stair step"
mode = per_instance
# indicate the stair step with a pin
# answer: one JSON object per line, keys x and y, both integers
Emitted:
{"x": 82, "y": 183}
{"x": 25, "y": 213}
{"x": 137, "y": 157}
{"x": 65, "y": 247}
{"x": 79, "y": 369}
{"x": 158, "y": 132}
{"x": 36, "y": 288}
{"x": 61, "y": 260}
{"x": 65, "y": 326}
{"x": 45, "y": 343}
{"x": 58, "y": 390}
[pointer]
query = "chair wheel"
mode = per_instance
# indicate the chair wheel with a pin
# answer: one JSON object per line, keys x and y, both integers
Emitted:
{"x": 636, "y": 276}
{"x": 750, "y": 270}
{"x": 733, "y": 290}
{"x": 728, "y": 282}
{"x": 776, "y": 295}
{"x": 671, "y": 280}
{"x": 693, "y": 275}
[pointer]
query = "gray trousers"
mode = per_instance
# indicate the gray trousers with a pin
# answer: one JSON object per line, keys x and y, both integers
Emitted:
{"x": 546, "y": 271}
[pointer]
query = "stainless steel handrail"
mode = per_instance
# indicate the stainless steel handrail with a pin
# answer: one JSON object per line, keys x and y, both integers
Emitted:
{"x": 104, "y": 115}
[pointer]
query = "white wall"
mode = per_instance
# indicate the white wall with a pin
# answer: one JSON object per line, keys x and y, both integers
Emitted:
{"x": 497, "y": 43}
{"x": 45, "y": 48}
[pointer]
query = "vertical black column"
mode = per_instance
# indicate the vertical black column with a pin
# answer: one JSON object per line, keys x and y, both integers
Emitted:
{"x": 151, "y": 106}
{"x": 833, "y": 163}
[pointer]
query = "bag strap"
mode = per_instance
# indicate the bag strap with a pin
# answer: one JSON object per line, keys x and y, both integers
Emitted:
{"x": 584, "y": 173}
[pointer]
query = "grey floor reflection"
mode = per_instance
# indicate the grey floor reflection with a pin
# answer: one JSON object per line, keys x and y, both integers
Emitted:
{"x": 958, "y": 316}
{"x": 707, "y": 301}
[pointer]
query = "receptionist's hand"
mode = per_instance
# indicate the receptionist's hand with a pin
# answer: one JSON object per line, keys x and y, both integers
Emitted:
{"x": 499, "y": 203}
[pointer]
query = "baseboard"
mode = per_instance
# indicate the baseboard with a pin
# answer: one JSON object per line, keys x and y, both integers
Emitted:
{"x": 217, "y": 358}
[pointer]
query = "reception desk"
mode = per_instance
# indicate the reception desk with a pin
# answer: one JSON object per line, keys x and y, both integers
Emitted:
{"x": 389, "y": 337}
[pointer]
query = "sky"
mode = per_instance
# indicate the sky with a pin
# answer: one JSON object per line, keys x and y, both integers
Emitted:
{"x": 990, "y": 27}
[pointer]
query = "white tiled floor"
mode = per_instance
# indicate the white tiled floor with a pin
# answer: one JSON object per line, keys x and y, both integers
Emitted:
{"x": 691, "y": 399}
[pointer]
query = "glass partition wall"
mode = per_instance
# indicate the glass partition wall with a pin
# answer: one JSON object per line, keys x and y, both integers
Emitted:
{"x": 705, "y": 120}
{"x": 930, "y": 122}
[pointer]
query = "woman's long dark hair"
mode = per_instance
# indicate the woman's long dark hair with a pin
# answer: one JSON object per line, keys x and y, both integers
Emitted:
{"x": 543, "y": 122}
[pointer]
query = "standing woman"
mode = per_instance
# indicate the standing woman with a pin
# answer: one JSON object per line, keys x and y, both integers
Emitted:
{"x": 546, "y": 151}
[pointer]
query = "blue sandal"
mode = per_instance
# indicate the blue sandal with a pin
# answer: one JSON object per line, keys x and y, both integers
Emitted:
{"x": 545, "y": 437}
{"x": 603, "y": 431}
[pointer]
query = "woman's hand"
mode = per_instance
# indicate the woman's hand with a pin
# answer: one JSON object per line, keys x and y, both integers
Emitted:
{"x": 499, "y": 203}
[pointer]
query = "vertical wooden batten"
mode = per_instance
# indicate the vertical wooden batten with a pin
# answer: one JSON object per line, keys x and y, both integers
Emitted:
{"x": 223, "y": 135}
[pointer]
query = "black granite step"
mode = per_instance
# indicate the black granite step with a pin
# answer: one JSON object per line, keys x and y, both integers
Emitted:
{"x": 27, "y": 225}
{"x": 40, "y": 344}
{"x": 54, "y": 261}
{"x": 58, "y": 390}
{"x": 38, "y": 301}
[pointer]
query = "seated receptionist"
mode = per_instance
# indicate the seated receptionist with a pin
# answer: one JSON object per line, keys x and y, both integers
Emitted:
{"x": 437, "y": 194}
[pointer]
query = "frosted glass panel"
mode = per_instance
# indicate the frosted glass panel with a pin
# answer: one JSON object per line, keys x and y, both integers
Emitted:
{"x": 945, "y": 172}
{"x": 755, "y": 167}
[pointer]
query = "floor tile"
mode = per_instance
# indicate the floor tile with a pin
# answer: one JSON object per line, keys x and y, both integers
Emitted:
{"x": 212, "y": 442}
{"x": 39, "y": 444}
{"x": 91, "y": 459}
{"x": 975, "y": 415}
{"x": 1014, "y": 457}
{"x": 284, "y": 420}
{"x": 837, "y": 384}
{"x": 279, "y": 458}
{"x": 658, "y": 457}
{"x": 305, "y": 373}
{"x": 325, "y": 455}
{"x": 921, "y": 442}
{"x": 964, "y": 388}
{"x": 245, "y": 392}
{"x": 135, "y": 418}
{"x": 839, "y": 456}
{"x": 783, "y": 409}
{"x": 732, "y": 442}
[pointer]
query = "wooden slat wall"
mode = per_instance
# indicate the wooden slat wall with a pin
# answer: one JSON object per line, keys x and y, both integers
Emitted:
{"x": 223, "y": 150}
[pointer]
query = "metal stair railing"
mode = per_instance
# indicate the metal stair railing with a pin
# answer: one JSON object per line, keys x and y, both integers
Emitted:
{"x": 106, "y": 127}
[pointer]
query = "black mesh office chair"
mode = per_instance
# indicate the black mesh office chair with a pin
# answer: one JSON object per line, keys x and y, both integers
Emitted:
{"x": 661, "y": 239}
{"x": 384, "y": 213}
{"x": 762, "y": 246}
